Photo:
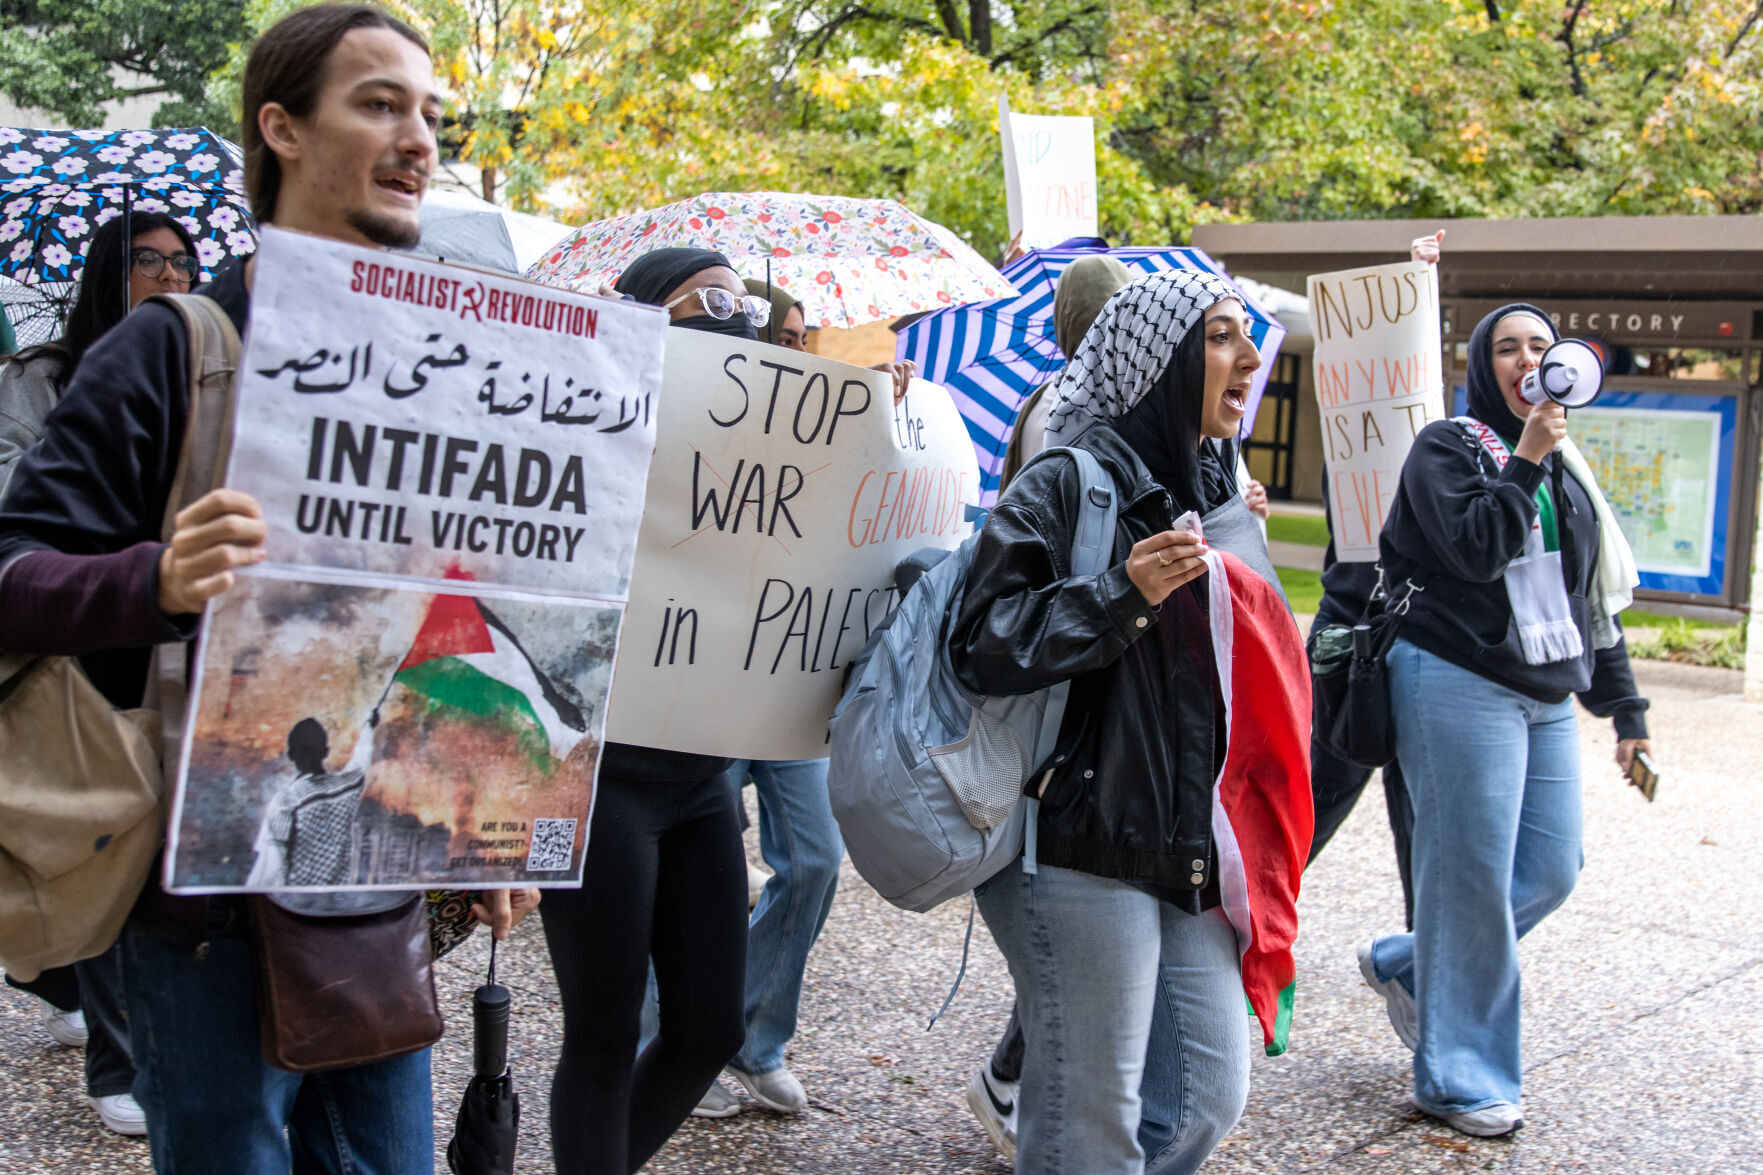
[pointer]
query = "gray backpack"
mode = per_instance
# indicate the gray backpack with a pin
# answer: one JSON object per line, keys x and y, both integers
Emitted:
{"x": 927, "y": 777}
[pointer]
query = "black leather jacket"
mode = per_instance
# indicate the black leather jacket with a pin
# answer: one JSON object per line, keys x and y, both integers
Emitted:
{"x": 1130, "y": 792}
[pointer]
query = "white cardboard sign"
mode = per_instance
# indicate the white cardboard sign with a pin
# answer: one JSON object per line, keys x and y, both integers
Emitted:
{"x": 1049, "y": 176}
{"x": 785, "y": 489}
{"x": 1378, "y": 383}
{"x": 411, "y": 691}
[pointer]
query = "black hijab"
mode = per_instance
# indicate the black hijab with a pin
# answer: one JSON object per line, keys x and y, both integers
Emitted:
{"x": 1486, "y": 403}
{"x": 1164, "y": 430}
{"x": 659, "y": 272}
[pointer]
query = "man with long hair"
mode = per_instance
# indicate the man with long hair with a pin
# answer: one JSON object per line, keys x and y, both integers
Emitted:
{"x": 339, "y": 118}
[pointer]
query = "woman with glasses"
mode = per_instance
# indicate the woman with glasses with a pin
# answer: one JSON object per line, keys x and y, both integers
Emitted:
{"x": 81, "y": 1002}
{"x": 667, "y": 880}
{"x": 159, "y": 257}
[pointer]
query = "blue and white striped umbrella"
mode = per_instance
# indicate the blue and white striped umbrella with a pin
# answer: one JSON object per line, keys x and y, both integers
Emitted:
{"x": 991, "y": 355}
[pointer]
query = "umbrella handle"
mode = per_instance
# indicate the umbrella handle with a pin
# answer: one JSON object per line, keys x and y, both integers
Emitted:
{"x": 489, "y": 1017}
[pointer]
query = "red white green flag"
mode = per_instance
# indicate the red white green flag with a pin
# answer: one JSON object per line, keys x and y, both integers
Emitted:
{"x": 1263, "y": 815}
{"x": 465, "y": 657}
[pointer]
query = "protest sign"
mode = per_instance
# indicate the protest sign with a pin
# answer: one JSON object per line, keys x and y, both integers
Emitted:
{"x": 785, "y": 489}
{"x": 411, "y": 691}
{"x": 1049, "y": 176}
{"x": 1378, "y": 383}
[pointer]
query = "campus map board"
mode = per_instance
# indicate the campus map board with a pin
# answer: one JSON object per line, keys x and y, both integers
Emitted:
{"x": 1658, "y": 470}
{"x": 1664, "y": 461}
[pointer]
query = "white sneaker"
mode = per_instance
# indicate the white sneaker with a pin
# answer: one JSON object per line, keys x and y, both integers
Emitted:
{"x": 1493, "y": 1121}
{"x": 756, "y": 879}
{"x": 121, "y": 1112}
{"x": 68, "y": 1028}
{"x": 777, "y": 1090}
{"x": 1404, "y": 1013}
{"x": 993, "y": 1102}
{"x": 717, "y": 1102}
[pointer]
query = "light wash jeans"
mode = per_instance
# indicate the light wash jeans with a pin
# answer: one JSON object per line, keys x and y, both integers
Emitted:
{"x": 800, "y": 841}
{"x": 214, "y": 1104}
{"x": 1137, "y": 1038}
{"x": 1494, "y": 780}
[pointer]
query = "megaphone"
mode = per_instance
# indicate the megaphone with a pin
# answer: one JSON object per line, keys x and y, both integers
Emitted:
{"x": 1571, "y": 374}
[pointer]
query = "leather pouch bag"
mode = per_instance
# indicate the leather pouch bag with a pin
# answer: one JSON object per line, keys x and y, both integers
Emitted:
{"x": 335, "y": 992}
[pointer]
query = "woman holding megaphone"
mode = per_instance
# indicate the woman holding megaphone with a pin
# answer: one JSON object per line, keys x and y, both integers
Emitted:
{"x": 1513, "y": 570}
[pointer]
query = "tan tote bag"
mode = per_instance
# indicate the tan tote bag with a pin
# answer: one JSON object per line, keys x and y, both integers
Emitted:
{"x": 82, "y": 788}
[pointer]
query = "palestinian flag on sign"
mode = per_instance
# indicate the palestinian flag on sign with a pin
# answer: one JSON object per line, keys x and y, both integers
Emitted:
{"x": 1263, "y": 816}
{"x": 465, "y": 657}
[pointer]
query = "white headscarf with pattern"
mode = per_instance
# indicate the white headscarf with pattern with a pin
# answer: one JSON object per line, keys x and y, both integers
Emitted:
{"x": 1129, "y": 348}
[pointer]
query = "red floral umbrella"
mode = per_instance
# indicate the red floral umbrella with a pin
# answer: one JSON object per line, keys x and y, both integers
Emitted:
{"x": 847, "y": 261}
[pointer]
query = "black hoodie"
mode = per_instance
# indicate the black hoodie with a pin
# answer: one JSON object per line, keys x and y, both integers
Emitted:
{"x": 1455, "y": 524}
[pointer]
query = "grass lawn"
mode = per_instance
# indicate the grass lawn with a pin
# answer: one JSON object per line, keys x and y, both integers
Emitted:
{"x": 1303, "y": 588}
{"x": 1298, "y": 528}
{"x": 1635, "y": 618}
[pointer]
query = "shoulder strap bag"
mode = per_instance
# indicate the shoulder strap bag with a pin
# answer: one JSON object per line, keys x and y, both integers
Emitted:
{"x": 1348, "y": 685}
{"x": 81, "y": 783}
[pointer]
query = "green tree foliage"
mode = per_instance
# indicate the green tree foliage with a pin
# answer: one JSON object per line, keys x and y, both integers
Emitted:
{"x": 531, "y": 83}
{"x": 1450, "y": 108}
{"x": 72, "y": 57}
{"x": 1221, "y": 109}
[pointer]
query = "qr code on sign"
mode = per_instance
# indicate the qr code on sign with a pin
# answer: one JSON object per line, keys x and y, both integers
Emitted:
{"x": 552, "y": 842}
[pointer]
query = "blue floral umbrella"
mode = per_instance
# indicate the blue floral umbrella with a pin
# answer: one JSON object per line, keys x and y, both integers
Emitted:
{"x": 991, "y": 355}
{"x": 57, "y": 187}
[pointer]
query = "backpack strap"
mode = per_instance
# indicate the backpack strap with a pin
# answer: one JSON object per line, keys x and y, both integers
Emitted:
{"x": 208, "y": 432}
{"x": 1092, "y": 549}
{"x": 202, "y": 465}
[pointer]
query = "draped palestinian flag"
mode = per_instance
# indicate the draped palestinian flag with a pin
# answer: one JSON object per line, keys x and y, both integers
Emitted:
{"x": 1262, "y": 811}
{"x": 464, "y": 657}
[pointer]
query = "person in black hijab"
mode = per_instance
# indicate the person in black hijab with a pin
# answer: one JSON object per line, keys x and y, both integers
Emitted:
{"x": 1502, "y": 535}
{"x": 672, "y": 278}
{"x": 666, "y": 880}
{"x": 1164, "y": 429}
{"x": 1118, "y": 917}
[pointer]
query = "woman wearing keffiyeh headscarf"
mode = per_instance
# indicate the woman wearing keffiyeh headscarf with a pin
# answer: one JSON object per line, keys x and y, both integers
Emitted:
{"x": 1158, "y": 880}
{"x": 1521, "y": 568}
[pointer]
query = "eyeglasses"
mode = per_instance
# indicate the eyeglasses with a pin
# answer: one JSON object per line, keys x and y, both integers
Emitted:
{"x": 151, "y": 262}
{"x": 719, "y": 304}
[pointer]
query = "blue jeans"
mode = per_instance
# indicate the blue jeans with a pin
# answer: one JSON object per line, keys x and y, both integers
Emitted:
{"x": 214, "y": 1105}
{"x": 1494, "y": 780}
{"x": 1137, "y": 1054}
{"x": 800, "y": 841}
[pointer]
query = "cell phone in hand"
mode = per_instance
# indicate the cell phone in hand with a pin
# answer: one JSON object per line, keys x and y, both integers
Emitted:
{"x": 1642, "y": 774}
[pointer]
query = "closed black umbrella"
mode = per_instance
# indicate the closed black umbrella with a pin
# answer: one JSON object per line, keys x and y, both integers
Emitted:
{"x": 488, "y": 1124}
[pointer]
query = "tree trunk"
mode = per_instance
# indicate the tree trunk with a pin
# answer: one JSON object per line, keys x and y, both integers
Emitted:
{"x": 487, "y": 181}
{"x": 979, "y": 21}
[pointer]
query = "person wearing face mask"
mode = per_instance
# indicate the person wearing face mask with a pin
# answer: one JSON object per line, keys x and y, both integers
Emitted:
{"x": 159, "y": 257}
{"x": 1129, "y": 973}
{"x": 666, "y": 881}
{"x": 1518, "y": 565}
